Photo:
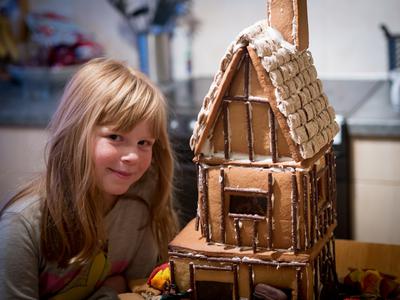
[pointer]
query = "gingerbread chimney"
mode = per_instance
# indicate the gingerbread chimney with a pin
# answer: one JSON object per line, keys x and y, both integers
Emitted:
{"x": 289, "y": 17}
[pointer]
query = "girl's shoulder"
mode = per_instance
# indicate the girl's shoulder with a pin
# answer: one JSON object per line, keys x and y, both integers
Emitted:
{"x": 27, "y": 207}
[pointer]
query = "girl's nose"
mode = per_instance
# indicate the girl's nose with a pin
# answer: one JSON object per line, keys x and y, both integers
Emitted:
{"x": 130, "y": 156}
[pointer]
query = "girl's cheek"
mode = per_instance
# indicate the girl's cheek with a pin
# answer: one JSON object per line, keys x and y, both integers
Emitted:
{"x": 103, "y": 150}
{"x": 149, "y": 159}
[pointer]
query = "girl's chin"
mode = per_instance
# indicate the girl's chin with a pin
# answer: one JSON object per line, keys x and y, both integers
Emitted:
{"x": 112, "y": 194}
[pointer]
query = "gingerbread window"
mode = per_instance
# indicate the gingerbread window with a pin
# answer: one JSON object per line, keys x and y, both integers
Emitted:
{"x": 207, "y": 290}
{"x": 224, "y": 286}
{"x": 248, "y": 204}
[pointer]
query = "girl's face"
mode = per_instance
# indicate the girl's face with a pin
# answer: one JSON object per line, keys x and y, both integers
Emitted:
{"x": 121, "y": 158}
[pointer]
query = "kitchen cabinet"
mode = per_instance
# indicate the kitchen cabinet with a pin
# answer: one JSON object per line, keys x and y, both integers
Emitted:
{"x": 375, "y": 190}
{"x": 375, "y": 176}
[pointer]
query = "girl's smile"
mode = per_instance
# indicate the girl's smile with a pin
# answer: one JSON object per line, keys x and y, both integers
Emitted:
{"x": 122, "y": 174}
{"x": 121, "y": 158}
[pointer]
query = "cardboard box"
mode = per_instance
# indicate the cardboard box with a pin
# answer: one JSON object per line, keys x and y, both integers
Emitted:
{"x": 352, "y": 254}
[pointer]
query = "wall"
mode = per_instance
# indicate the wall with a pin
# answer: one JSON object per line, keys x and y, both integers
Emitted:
{"x": 345, "y": 37}
{"x": 22, "y": 157}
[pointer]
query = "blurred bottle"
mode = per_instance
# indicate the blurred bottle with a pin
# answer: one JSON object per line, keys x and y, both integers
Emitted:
{"x": 395, "y": 89}
{"x": 159, "y": 56}
{"x": 182, "y": 51}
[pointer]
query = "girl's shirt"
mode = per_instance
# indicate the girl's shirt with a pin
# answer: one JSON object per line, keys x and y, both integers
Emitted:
{"x": 25, "y": 274}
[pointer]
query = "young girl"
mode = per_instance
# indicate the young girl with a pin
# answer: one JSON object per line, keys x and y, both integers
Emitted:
{"x": 101, "y": 214}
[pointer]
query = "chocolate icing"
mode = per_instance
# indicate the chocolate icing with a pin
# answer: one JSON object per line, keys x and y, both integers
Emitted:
{"x": 246, "y": 75}
{"x": 250, "y": 139}
{"x": 197, "y": 222}
{"x": 333, "y": 174}
{"x": 315, "y": 283}
{"x": 269, "y": 212}
{"x": 237, "y": 231}
{"x": 315, "y": 202}
{"x": 254, "y": 237}
{"x": 236, "y": 282}
{"x": 226, "y": 128}
{"x": 294, "y": 214}
{"x": 222, "y": 217}
{"x": 317, "y": 212}
{"x": 193, "y": 295}
{"x": 172, "y": 271}
{"x": 251, "y": 281}
{"x": 272, "y": 135}
{"x": 203, "y": 172}
{"x": 298, "y": 282}
{"x": 312, "y": 209}
{"x": 330, "y": 196}
{"x": 305, "y": 212}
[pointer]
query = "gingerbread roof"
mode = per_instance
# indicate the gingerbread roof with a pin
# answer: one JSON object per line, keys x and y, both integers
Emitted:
{"x": 298, "y": 93}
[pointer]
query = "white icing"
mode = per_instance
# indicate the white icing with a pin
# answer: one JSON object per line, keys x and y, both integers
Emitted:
{"x": 294, "y": 23}
{"x": 246, "y": 259}
{"x": 197, "y": 255}
{"x": 236, "y": 259}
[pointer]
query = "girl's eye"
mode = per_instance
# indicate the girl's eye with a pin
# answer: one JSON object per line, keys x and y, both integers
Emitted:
{"x": 145, "y": 143}
{"x": 115, "y": 137}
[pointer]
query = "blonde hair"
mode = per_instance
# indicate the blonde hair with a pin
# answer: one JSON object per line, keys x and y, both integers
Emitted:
{"x": 103, "y": 91}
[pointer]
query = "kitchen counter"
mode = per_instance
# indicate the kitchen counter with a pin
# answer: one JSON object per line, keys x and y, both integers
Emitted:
{"x": 364, "y": 105}
{"x": 18, "y": 108}
{"x": 375, "y": 117}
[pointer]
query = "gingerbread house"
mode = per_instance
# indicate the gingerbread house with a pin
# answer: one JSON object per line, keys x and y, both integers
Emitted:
{"x": 266, "y": 170}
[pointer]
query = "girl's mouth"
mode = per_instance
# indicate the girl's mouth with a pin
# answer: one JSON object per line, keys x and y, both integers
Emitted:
{"x": 121, "y": 174}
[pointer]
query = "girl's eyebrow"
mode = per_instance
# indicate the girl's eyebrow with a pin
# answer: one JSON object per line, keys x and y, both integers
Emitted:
{"x": 106, "y": 129}
{"x": 109, "y": 127}
{"x": 103, "y": 128}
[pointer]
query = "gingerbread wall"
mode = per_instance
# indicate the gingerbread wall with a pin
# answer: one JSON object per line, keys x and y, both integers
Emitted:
{"x": 302, "y": 279}
{"x": 285, "y": 277}
{"x": 295, "y": 205}
{"x": 244, "y": 120}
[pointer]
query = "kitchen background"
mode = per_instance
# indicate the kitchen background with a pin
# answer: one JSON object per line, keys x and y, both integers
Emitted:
{"x": 350, "y": 51}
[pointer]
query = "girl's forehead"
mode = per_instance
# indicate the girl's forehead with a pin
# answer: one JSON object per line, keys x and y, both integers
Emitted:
{"x": 124, "y": 127}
